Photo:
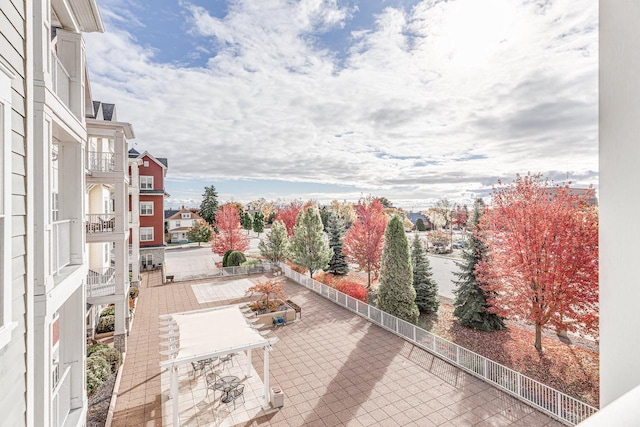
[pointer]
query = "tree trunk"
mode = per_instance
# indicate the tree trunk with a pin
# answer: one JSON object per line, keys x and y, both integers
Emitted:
{"x": 368, "y": 280}
{"x": 311, "y": 273}
{"x": 539, "y": 337}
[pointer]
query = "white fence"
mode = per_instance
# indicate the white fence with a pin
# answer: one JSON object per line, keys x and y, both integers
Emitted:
{"x": 183, "y": 276}
{"x": 565, "y": 408}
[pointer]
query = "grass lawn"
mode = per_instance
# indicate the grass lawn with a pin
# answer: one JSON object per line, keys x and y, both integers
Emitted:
{"x": 569, "y": 368}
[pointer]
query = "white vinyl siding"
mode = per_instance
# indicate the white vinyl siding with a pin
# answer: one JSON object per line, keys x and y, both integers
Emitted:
{"x": 146, "y": 208}
{"x": 6, "y": 323}
{"x": 146, "y": 234}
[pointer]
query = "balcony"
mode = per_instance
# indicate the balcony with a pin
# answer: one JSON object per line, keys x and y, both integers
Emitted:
{"x": 101, "y": 162}
{"x": 61, "y": 398}
{"x": 100, "y": 223}
{"x": 60, "y": 80}
{"x": 101, "y": 283}
{"x": 61, "y": 245}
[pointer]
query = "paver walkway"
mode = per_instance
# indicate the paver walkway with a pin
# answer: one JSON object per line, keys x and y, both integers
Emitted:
{"x": 334, "y": 367}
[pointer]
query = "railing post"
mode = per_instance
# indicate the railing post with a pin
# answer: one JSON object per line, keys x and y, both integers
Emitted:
{"x": 559, "y": 400}
{"x": 518, "y": 384}
{"x": 457, "y": 354}
{"x": 368, "y": 311}
{"x": 484, "y": 370}
{"x": 413, "y": 330}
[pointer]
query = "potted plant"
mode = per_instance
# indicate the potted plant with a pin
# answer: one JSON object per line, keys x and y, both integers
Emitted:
{"x": 272, "y": 299}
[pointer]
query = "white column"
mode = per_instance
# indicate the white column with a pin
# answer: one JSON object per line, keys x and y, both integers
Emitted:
{"x": 619, "y": 178}
{"x": 248, "y": 354}
{"x": 267, "y": 395}
{"x": 175, "y": 396}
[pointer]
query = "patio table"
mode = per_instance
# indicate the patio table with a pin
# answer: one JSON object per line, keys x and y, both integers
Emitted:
{"x": 226, "y": 384}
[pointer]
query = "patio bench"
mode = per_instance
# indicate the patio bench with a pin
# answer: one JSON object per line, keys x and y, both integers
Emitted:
{"x": 170, "y": 278}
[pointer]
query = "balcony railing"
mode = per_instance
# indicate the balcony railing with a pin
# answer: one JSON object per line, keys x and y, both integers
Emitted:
{"x": 60, "y": 79}
{"x": 101, "y": 223}
{"x": 101, "y": 162}
{"x": 61, "y": 399}
{"x": 101, "y": 283}
{"x": 61, "y": 245}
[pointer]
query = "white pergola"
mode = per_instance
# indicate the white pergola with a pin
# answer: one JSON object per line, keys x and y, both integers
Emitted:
{"x": 202, "y": 334}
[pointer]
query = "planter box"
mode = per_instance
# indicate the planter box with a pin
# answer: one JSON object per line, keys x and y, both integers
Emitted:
{"x": 266, "y": 319}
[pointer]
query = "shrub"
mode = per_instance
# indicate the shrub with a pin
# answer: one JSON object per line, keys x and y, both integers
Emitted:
{"x": 109, "y": 311}
{"x": 95, "y": 348}
{"x": 134, "y": 292}
{"x": 225, "y": 257}
{"x": 97, "y": 371}
{"x": 353, "y": 289}
{"x": 298, "y": 268}
{"x": 235, "y": 259}
{"x": 106, "y": 324}
{"x": 251, "y": 263}
{"x": 112, "y": 356}
{"x": 326, "y": 278}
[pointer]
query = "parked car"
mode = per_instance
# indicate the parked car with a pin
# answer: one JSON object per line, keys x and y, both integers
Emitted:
{"x": 458, "y": 245}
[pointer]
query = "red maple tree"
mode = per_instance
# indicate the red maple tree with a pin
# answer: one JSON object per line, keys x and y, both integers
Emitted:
{"x": 542, "y": 264}
{"x": 364, "y": 240}
{"x": 288, "y": 215}
{"x": 229, "y": 236}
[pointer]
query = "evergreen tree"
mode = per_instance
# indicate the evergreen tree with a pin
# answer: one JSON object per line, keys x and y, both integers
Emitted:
{"x": 337, "y": 265}
{"x": 471, "y": 300}
{"x": 209, "y": 205}
{"x": 275, "y": 245}
{"x": 420, "y": 225}
{"x": 309, "y": 245}
{"x": 396, "y": 295}
{"x": 258, "y": 222}
{"x": 247, "y": 222}
{"x": 426, "y": 288}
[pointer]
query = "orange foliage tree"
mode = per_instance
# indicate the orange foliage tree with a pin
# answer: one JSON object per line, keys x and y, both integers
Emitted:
{"x": 364, "y": 240}
{"x": 229, "y": 236}
{"x": 542, "y": 264}
{"x": 271, "y": 294}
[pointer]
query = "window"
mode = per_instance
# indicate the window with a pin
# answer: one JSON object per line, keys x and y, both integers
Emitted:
{"x": 6, "y": 324}
{"x": 177, "y": 224}
{"x": 186, "y": 215}
{"x": 146, "y": 234}
{"x": 146, "y": 208}
{"x": 145, "y": 163}
{"x": 146, "y": 183}
{"x": 146, "y": 260}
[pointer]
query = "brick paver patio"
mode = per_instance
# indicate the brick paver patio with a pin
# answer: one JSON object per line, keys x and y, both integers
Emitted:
{"x": 334, "y": 367}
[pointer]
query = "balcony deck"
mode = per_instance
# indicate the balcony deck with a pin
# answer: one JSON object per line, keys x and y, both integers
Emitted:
{"x": 334, "y": 367}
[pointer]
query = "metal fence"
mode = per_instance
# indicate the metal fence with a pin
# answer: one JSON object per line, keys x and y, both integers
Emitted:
{"x": 183, "y": 276}
{"x": 565, "y": 408}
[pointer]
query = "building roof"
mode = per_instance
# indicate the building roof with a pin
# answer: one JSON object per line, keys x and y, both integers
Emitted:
{"x": 414, "y": 216}
{"x": 168, "y": 213}
{"x": 162, "y": 161}
{"x": 179, "y": 212}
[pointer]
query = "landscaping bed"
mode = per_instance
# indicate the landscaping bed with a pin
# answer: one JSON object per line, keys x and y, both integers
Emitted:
{"x": 572, "y": 369}
{"x": 99, "y": 403}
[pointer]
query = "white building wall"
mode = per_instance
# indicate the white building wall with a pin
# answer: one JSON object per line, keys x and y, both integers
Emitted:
{"x": 619, "y": 193}
{"x": 13, "y": 355}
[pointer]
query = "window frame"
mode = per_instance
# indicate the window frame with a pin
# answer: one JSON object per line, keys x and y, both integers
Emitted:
{"x": 145, "y": 177}
{"x": 146, "y": 203}
{"x": 6, "y": 319}
{"x": 146, "y": 229}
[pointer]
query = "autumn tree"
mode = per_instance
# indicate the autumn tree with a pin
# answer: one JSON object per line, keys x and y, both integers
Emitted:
{"x": 364, "y": 240}
{"x": 542, "y": 264}
{"x": 470, "y": 304}
{"x": 309, "y": 245}
{"x": 337, "y": 264}
{"x": 229, "y": 236}
{"x": 200, "y": 232}
{"x": 258, "y": 222}
{"x": 396, "y": 294}
{"x": 288, "y": 215}
{"x": 345, "y": 212}
{"x": 209, "y": 205}
{"x": 275, "y": 245}
{"x": 426, "y": 288}
{"x": 247, "y": 222}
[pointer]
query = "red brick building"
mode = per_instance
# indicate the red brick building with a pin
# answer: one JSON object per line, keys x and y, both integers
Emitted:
{"x": 152, "y": 171}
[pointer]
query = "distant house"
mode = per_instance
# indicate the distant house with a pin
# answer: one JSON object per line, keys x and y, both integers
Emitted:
{"x": 415, "y": 216}
{"x": 179, "y": 223}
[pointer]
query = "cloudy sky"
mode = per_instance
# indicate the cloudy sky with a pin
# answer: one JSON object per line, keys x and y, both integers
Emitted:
{"x": 335, "y": 99}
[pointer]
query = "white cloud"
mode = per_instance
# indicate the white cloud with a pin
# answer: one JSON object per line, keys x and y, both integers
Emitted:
{"x": 438, "y": 100}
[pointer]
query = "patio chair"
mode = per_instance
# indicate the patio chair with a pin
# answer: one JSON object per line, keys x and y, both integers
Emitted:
{"x": 211, "y": 380}
{"x": 227, "y": 358}
{"x": 235, "y": 394}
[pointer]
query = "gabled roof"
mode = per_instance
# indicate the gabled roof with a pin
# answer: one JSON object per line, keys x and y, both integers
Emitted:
{"x": 168, "y": 213}
{"x": 178, "y": 214}
{"x": 414, "y": 216}
{"x": 159, "y": 160}
{"x": 133, "y": 153}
